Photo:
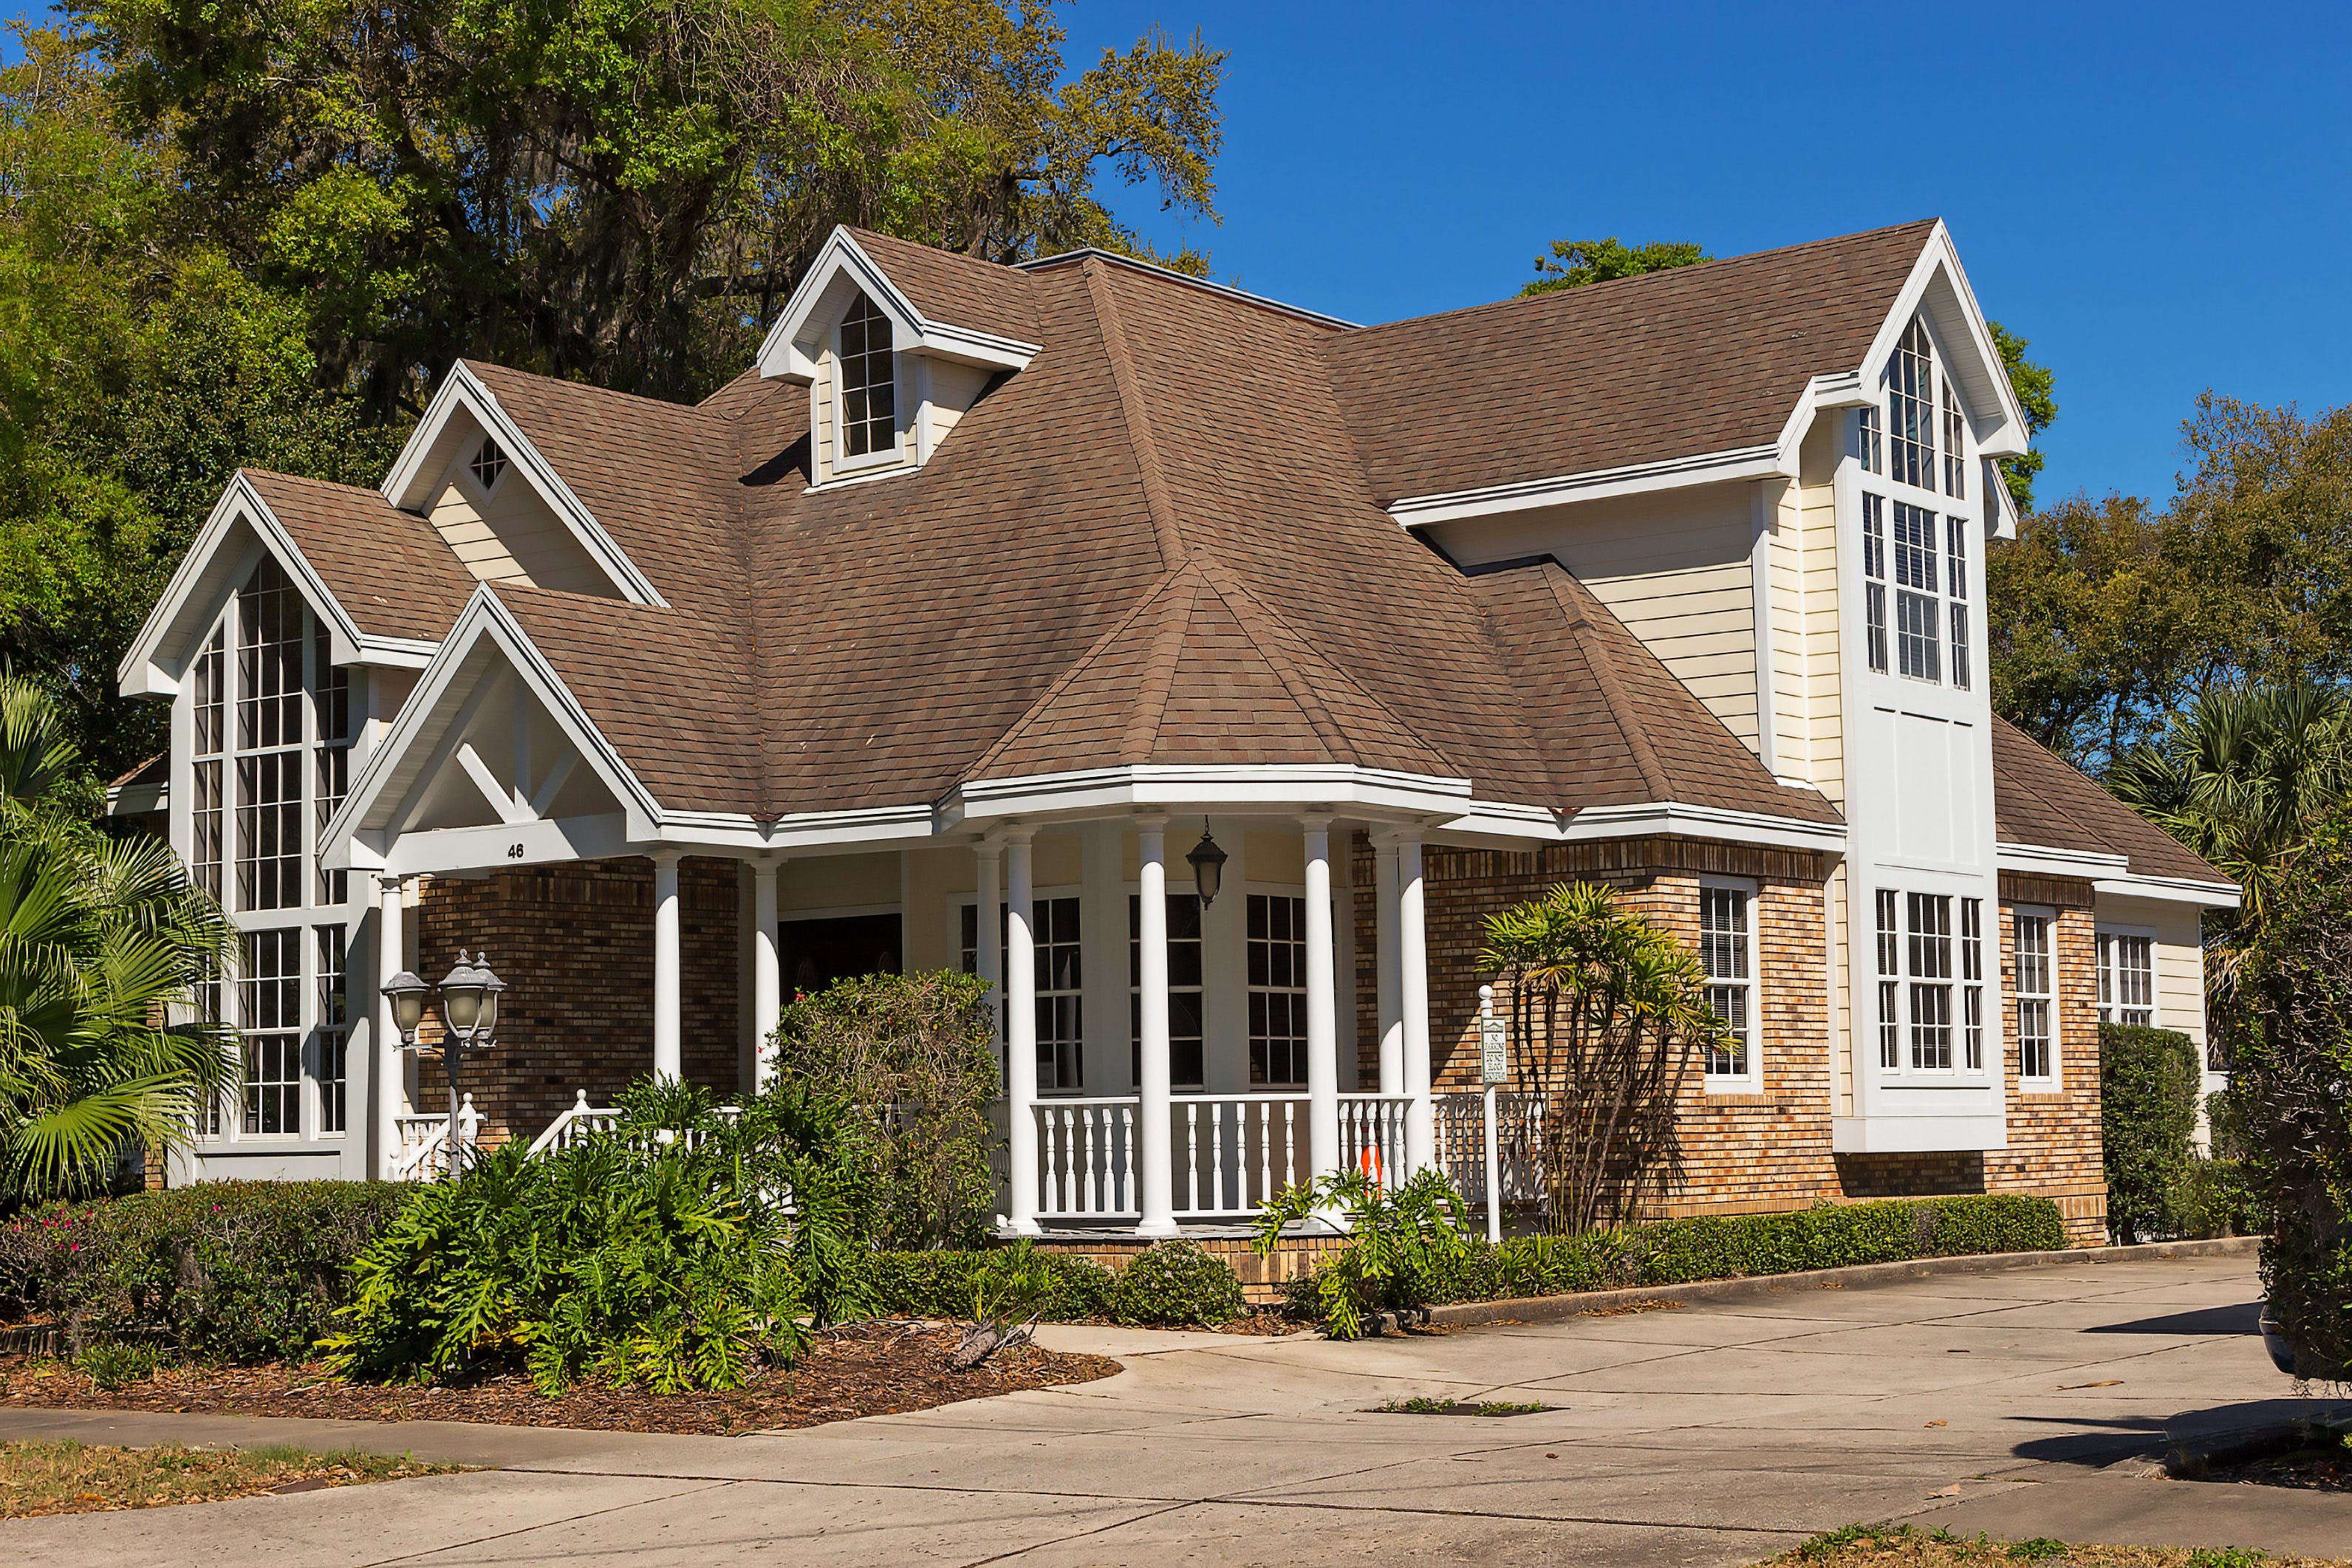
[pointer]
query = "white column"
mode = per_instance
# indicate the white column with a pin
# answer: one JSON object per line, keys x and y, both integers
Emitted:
{"x": 988, "y": 940}
{"x": 1021, "y": 1033}
{"x": 1413, "y": 999}
{"x": 1390, "y": 977}
{"x": 1322, "y": 1007}
{"x": 1155, "y": 1162}
{"x": 767, "y": 973}
{"x": 666, "y": 1026}
{"x": 390, "y": 1085}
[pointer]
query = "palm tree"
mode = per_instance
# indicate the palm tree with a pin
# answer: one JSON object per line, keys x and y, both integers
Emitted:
{"x": 2243, "y": 775}
{"x": 102, "y": 941}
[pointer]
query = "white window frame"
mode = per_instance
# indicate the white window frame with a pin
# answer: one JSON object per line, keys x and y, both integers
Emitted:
{"x": 1251, "y": 991}
{"x": 844, "y": 461}
{"x": 2110, "y": 1004}
{"x": 2048, "y": 1080}
{"x": 486, "y": 453}
{"x": 1202, "y": 990}
{"x": 1950, "y": 606}
{"x": 963, "y": 901}
{"x": 1749, "y": 1080}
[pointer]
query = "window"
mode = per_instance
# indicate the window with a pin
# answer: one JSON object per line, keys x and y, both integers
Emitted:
{"x": 1931, "y": 981}
{"x": 1873, "y": 568}
{"x": 1727, "y": 948}
{"x": 331, "y": 1040}
{"x": 1184, "y": 991}
{"x": 2030, "y": 933}
{"x": 968, "y": 943}
{"x": 1918, "y": 639}
{"x": 2126, "y": 978}
{"x": 1911, "y": 410}
{"x": 1972, "y": 974}
{"x": 869, "y": 391}
{"x": 1956, "y": 470}
{"x": 1061, "y": 1014}
{"x": 1956, "y": 552}
{"x": 1873, "y": 441}
{"x": 268, "y": 772}
{"x": 269, "y": 1003}
{"x": 488, "y": 465}
{"x": 331, "y": 757}
{"x": 1277, "y": 990}
{"x": 212, "y": 1121}
{"x": 1890, "y": 966}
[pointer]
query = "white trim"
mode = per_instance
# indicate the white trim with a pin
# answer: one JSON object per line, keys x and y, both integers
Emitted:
{"x": 781, "y": 355}
{"x": 461, "y": 389}
{"x": 2110, "y": 875}
{"x": 1596, "y": 485}
{"x": 1750, "y": 1082}
{"x": 2006, "y": 436}
{"x": 2174, "y": 890}
{"x": 2053, "y": 1081}
{"x": 1703, "y": 822}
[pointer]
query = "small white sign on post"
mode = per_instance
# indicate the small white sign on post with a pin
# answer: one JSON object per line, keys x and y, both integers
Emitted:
{"x": 1493, "y": 1049}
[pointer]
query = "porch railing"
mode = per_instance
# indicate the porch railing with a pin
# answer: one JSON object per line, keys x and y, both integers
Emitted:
{"x": 422, "y": 1153}
{"x": 580, "y": 1120}
{"x": 1461, "y": 1127}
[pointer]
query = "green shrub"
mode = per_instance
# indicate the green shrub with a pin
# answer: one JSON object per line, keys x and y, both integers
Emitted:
{"x": 1682, "y": 1252}
{"x": 111, "y": 1363}
{"x": 2212, "y": 1198}
{"x": 1176, "y": 1284}
{"x": 1406, "y": 1245}
{"x": 960, "y": 1283}
{"x": 2149, "y": 1084}
{"x": 224, "y": 1271}
{"x": 680, "y": 1252}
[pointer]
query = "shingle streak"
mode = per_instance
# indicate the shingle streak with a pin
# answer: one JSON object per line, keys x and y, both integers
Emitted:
{"x": 1162, "y": 541}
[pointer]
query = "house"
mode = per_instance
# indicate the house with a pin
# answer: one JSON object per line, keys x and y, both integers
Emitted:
{"x": 1014, "y": 589}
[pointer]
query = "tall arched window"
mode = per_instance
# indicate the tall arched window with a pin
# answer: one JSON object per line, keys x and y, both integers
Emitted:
{"x": 869, "y": 389}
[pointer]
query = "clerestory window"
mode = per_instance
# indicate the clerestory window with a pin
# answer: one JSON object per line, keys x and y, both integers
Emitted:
{"x": 869, "y": 386}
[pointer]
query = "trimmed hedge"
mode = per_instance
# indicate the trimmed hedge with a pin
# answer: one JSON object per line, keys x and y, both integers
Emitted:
{"x": 2150, "y": 1081}
{"x": 243, "y": 1271}
{"x": 949, "y": 1283}
{"x": 1681, "y": 1251}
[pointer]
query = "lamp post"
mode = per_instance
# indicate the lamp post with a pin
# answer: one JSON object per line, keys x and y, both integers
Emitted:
{"x": 469, "y": 1019}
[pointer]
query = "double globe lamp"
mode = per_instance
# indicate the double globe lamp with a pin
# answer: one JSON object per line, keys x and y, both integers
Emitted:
{"x": 469, "y": 1019}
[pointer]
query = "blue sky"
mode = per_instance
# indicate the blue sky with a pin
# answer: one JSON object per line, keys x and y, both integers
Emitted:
{"x": 2155, "y": 194}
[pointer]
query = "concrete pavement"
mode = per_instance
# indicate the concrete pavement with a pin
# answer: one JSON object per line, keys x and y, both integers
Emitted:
{"x": 1717, "y": 1434}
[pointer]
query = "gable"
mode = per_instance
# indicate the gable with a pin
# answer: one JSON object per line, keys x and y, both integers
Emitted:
{"x": 507, "y": 532}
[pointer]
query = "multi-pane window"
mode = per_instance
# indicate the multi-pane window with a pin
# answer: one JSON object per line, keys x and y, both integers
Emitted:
{"x": 488, "y": 465}
{"x": 1873, "y": 443}
{"x": 1930, "y": 933}
{"x": 2126, "y": 978}
{"x": 1277, "y": 990}
{"x": 1726, "y": 945}
{"x": 1061, "y": 1014}
{"x": 1918, "y": 609}
{"x": 332, "y": 1039}
{"x": 1956, "y": 551}
{"x": 1873, "y": 571}
{"x": 968, "y": 941}
{"x": 269, "y": 704}
{"x": 208, "y": 701}
{"x": 1890, "y": 968}
{"x": 2031, "y": 933}
{"x": 1972, "y": 974}
{"x": 212, "y": 1121}
{"x": 270, "y": 1019}
{"x": 1911, "y": 409}
{"x": 1956, "y": 470}
{"x": 331, "y": 756}
{"x": 1184, "y": 991}
{"x": 869, "y": 393}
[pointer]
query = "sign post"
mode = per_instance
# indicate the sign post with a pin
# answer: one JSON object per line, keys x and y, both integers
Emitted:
{"x": 1494, "y": 1068}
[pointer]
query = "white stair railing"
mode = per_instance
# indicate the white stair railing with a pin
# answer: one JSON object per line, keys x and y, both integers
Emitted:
{"x": 1461, "y": 1125}
{"x": 1086, "y": 1158}
{"x": 422, "y": 1153}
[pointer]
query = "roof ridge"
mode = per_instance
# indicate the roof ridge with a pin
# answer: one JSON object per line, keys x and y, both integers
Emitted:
{"x": 1605, "y": 678}
{"x": 1245, "y": 608}
{"x": 1160, "y": 665}
{"x": 1157, "y": 498}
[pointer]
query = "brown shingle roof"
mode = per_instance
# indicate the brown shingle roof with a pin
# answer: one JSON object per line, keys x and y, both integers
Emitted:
{"x": 388, "y": 569}
{"x": 1701, "y": 359}
{"x": 957, "y": 290}
{"x": 2040, "y": 799}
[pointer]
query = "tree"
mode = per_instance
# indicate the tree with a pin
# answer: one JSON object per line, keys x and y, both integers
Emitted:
{"x": 2034, "y": 388}
{"x": 99, "y": 940}
{"x": 625, "y": 193}
{"x": 1612, "y": 1009}
{"x": 1573, "y": 263}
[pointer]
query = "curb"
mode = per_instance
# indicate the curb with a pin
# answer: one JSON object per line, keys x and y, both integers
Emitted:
{"x": 1553, "y": 1309}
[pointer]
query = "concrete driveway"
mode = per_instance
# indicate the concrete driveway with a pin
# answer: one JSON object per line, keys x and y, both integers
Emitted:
{"x": 1715, "y": 1434}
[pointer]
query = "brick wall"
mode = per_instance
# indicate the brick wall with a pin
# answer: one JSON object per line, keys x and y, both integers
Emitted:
{"x": 574, "y": 943}
{"x": 2055, "y": 1147}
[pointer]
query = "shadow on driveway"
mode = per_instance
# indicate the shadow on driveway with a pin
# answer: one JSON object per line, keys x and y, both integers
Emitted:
{"x": 2096, "y": 1442}
{"x": 2245, "y": 1319}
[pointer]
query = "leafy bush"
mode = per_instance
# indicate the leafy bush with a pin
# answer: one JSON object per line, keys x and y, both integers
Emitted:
{"x": 1405, "y": 1244}
{"x": 2284, "y": 1020}
{"x": 234, "y": 1272}
{"x": 2149, "y": 1086}
{"x": 1682, "y": 1252}
{"x": 2212, "y": 1198}
{"x": 916, "y": 1052}
{"x": 680, "y": 1251}
{"x": 965, "y": 1283}
{"x": 1176, "y": 1284}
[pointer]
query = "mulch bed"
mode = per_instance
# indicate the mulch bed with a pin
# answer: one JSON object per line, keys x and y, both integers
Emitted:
{"x": 2312, "y": 1470}
{"x": 871, "y": 1369}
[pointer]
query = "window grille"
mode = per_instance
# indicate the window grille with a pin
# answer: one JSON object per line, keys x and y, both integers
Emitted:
{"x": 269, "y": 995}
{"x": 1723, "y": 947}
{"x": 1874, "y": 571}
{"x": 1277, "y": 990}
{"x": 2126, "y": 978}
{"x": 1184, "y": 988}
{"x": 1061, "y": 1013}
{"x": 488, "y": 465}
{"x": 331, "y": 1040}
{"x": 1873, "y": 441}
{"x": 1972, "y": 982}
{"x": 1956, "y": 425}
{"x": 869, "y": 391}
{"x": 2031, "y": 933}
{"x": 1890, "y": 966}
{"x": 1911, "y": 410}
{"x": 1931, "y": 981}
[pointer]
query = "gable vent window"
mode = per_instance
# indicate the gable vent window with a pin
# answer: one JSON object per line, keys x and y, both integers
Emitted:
{"x": 869, "y": 389}
{"x": 489, "y": 465}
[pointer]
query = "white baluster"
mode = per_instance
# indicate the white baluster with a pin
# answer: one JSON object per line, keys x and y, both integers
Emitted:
{"x": 1192, "y": 1154}
{"x": 1128, "y": 1197}
{"x": 1216, "y": 1156}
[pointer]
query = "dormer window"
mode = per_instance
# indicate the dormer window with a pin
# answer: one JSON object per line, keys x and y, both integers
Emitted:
{"x": 1911, "y": 409}
{"x": 869, "y": 387}
{"x": 488, "y": 465}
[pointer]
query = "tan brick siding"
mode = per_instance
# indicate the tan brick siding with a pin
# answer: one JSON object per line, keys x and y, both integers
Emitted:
{"x": 2054, "y": 1143}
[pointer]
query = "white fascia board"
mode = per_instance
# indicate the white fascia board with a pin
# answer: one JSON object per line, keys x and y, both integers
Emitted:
{"x": 462, "y": 390}
{"x": 1971, "y": 1133}
{"x": 2170, "y": 890}
{"x": 2038, "y": 860}
{"x": 1601, "y": 485}
{"x": 1939, "y": 259}
{"x": 484, "y": 617}
{"x": 780, "y": 356}
{"x": 138, "y": 799}
{"x": 2111, "y": 874}
{"x": 1098, "y": 789}
{"x": 145, "y": 672}
{"x": 1679, "y": 820}
{"x": 491, "y": 846}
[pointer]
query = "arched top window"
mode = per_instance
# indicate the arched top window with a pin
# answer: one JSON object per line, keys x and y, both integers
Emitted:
{"x": 1911, "y": 409}
{"x": 870, "y": 388}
